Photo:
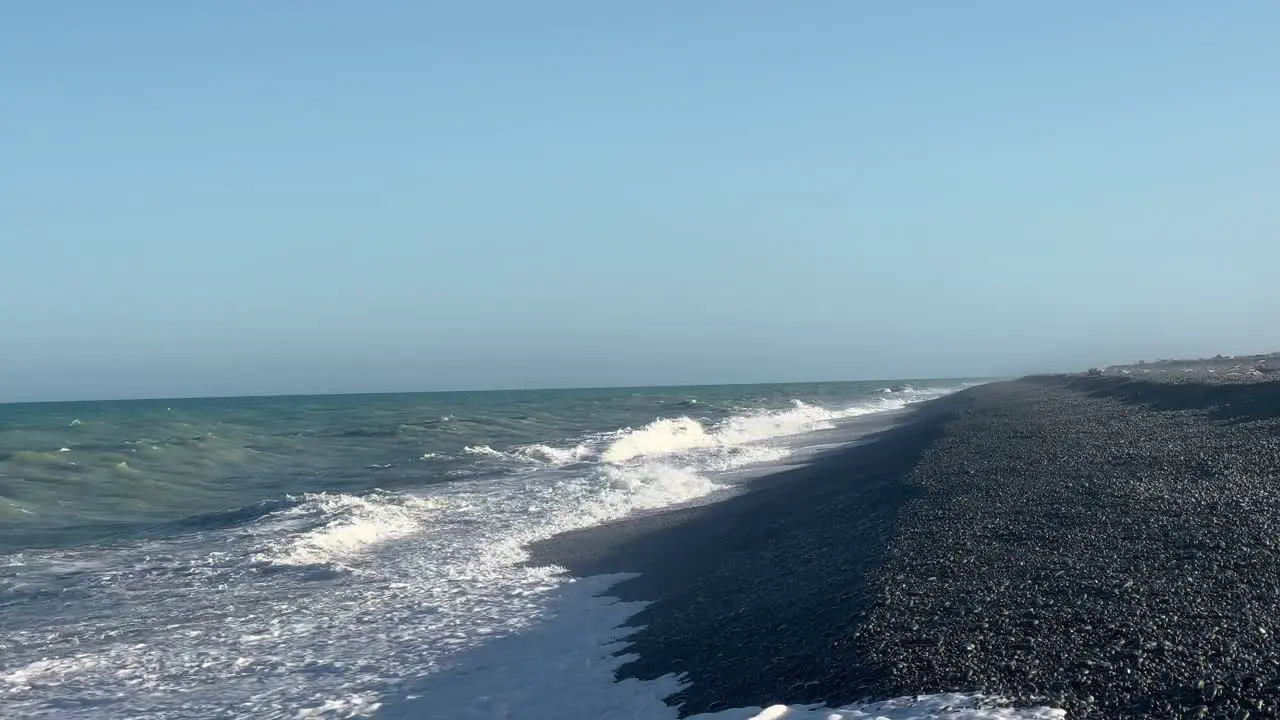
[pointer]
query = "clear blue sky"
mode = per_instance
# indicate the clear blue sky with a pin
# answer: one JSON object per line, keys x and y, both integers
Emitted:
{"x": 247, "y": 197}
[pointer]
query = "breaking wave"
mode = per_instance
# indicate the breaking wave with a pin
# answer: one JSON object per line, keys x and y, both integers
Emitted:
{"x": 331, "y": 529}
{"x": 666, "y": 436}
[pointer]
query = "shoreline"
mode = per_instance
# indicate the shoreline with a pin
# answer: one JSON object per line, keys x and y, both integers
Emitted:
{"x": 733, "y": 561}
{"x": 1107, "y": 545}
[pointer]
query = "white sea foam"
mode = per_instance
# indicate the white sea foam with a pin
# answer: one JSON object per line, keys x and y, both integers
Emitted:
{"x": 51, "y": 672}
{"x": 645, "y": 487}
{"x": 483, "y": 450}
{"x": 683, "y": 435}
{"x": 943, "y": 706}
{"x": 667, "y": 436}
{"x": 350, "y": 706}
{"x": 345, "y": 525}
{"x": 554, "y": 455}
{"x": 664, "y": 436}
{"x": 537, "y": 454}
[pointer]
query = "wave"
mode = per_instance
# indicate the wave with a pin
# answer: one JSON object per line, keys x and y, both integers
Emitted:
{"x": 221, "y": 519}
{"x": 554, "y": 455}
{"x": 667, "y": 436}
{"x": 37, "y": 457}
{"x": 736, "y": 441}
{"x": 537, "y": 454}
{"x": 388, "y": 431}
{"x": 650, "y": 486}
{"x": 340, "y": 526}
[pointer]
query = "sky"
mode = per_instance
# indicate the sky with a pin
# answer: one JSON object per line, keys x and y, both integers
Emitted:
{"x": 245, "y": 197}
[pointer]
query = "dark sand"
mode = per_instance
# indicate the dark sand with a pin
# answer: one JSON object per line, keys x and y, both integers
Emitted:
{"x": 1105, "y": 544}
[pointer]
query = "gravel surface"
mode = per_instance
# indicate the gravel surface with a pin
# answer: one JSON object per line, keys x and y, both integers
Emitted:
{"x": 1073, "y": 544}
{"x": 1102, "y": 543}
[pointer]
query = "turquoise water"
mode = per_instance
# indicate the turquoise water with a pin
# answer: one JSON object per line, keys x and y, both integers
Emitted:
{"x": 265, "y": 557}
{"x": 75, "y": 472}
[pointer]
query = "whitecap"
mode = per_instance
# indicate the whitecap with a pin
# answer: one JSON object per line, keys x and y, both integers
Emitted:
{"x": 667, "y": 436}
{"x": 343, "y": 526}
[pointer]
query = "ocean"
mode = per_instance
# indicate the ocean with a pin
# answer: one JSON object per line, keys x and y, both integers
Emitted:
{"x": 361, "y": 555}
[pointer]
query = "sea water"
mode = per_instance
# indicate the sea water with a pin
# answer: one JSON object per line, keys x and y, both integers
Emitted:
{"x": 361, "y": 556}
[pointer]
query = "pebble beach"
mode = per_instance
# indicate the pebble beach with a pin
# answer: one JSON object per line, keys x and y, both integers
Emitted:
{"x": 1107, "y": 543}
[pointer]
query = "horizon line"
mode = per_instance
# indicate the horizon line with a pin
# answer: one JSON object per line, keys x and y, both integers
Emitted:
{"x": 277, "y": 396}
